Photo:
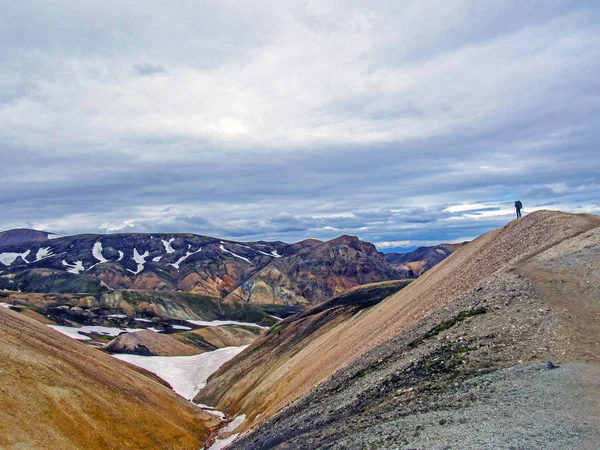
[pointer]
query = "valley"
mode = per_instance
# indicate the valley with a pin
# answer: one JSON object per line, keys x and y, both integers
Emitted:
{"x": 453, "y": 358}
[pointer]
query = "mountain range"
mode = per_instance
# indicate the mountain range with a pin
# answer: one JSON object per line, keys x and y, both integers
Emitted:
{"x": 305, "y": 273}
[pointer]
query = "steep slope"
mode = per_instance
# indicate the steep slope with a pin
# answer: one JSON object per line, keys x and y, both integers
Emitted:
{"x": 316, "y": 271}
{"x": 58, "y": 393}
{"x": 252, "y": 380}
{"x": 473, "y": 373}
{"x": 422, "y": 259}
{"x": 463, "y": 271}
{"x": 257, "y": 272}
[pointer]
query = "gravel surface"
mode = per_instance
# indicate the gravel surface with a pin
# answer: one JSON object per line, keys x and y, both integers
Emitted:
{"x": 518, "y": 408}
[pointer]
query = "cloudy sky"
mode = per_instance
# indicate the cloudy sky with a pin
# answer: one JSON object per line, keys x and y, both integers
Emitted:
{"x": 404, "y": 123}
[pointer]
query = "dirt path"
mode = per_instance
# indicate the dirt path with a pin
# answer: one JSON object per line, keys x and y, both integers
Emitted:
{"x": 568, "y": 275}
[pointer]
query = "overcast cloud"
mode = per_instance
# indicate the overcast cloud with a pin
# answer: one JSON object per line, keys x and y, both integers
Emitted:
{"x": 404, "y": 123}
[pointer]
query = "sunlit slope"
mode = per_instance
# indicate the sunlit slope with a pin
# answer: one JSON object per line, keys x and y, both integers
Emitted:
{"x": 56, "y": 393}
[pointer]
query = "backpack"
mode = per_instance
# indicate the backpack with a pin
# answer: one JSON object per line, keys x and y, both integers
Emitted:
{"x": 518, "y": 204}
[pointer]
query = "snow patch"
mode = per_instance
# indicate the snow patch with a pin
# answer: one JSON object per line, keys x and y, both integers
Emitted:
{"x": 6, "y": 305}
{"x": 73, "y": 332}
{"x": 53, "y": 236}
{"x": 157, "y": 258}
{"x": 218, "y": 323}
{"x": 273, "y": 254}
{"x": 181, "y": 327}
{"x": 209, "y": 409}
{"x": 140, "y": 260}
{"x": 117, "y": 316}
{"x": 167, "y": 245}
{"x": 231, "y": 426}
{"x": 237, "y": 256}
{"x": 139, "y": 319}
{"x": 8, "y": 258}
{"x": 43, "y": 253}
{"x": 97, "y": 252}
{"x": 76, "y": 268}
{"x": 186, "y": 374}
{"x": 121, "y": 254}
{"x": 183, "y": 258}
{"x": 222, "y": 443}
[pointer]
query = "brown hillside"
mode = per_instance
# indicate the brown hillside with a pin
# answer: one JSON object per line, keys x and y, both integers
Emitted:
{"x": 473, "y": 374}
{"x": 150, "y": 343}
{"x": 57, "y": 393}
{"x": 332, "y": 350}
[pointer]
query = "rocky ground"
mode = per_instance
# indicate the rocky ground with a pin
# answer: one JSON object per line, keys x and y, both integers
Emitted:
{"x": 472, "y": 374}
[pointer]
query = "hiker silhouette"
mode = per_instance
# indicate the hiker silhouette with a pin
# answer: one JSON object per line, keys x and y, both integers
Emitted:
{"x": 518, "y": 206}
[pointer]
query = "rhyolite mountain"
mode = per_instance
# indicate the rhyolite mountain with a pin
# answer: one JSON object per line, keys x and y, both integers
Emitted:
{"x": 307, "y": 272}
{"x": 422, "y": 259}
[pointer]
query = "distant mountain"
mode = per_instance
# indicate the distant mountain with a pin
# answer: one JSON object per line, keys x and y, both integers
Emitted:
{"x": 422, "y": 259}
{"x": 316, "y": 271}
{"x": 22, "y": 236}
{"x": 307, "y": 272}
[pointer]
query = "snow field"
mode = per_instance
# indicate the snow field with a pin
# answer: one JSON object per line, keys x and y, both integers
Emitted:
{"x": 218, "y": 323}
{"x": 73, "y": 332}
{"x": 186, "y": 374}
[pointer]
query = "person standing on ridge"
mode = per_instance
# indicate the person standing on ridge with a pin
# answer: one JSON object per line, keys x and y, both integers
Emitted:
{"x": 518, "y": 206}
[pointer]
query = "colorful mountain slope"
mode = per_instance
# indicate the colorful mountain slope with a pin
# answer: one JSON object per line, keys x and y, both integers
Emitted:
{"x": 59, "y": 393}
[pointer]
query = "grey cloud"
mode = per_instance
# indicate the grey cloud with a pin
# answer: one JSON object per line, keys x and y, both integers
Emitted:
{"x": 543, "y": 192}
{"x": 148, "y": 69}
{"x": 356, "y": 121}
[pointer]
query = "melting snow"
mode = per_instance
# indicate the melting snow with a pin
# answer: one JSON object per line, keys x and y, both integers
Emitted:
{"x": 142, "y": 320}
{"x": 74, "y": 268}
{"x": 183, "y": 258}
{"x": 209, "y": 409}
{"x": 43, "y": 253}
{"x": 121, "y": 254}
{"x": 236, "y": 422}
{"x": 140, "y": 260}
{"x": 273, "y": 254}
{"x": 157, "y": 258}
{"x": 218, "y": 323}
{"x": 97, "y": 252}
{"x": 8, "y": 258}
{"x": 117, "y": 316}
{"x": 167, "y": 245}
{"x": 73, "y": 332}
{"x": 187, "y": 374}
{"x": 222, "y": 443}
{"x": 237, "y": 256}
{"x": 181, "y": 327}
